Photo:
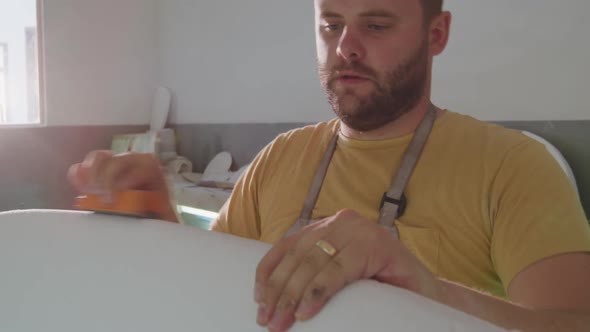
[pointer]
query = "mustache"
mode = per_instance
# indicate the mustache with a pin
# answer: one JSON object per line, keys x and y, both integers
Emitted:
{"x": 330, "y": 74}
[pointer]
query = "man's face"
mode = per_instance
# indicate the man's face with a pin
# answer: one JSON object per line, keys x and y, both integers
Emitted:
{"x": 373, "y": 58}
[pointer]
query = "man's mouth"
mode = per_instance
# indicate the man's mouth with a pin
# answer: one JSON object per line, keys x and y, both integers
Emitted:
{"x": 351, "y": 78}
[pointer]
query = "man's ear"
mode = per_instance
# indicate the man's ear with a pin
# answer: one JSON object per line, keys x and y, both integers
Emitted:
{"x": 439, "y": 31}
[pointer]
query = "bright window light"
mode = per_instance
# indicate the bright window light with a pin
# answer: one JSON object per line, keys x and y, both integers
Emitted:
{"x": 197, "y": 212}
{"x": 20, "y": 80}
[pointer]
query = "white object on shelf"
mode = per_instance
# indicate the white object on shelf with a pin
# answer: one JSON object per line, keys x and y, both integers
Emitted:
{"x": 75, "y": 271}
{"x": 160, "y": 109}
{"x": 161, "y": 142}
{"x": 218, "y": 168}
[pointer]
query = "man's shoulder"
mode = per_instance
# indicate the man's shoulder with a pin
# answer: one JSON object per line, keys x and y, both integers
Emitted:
{"x": 300, "y": 142}
{"x": 494, "y": 136}
{"x": 499, "y": 148}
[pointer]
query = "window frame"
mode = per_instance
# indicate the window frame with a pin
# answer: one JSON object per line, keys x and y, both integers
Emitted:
{"x": 4, "y": 72}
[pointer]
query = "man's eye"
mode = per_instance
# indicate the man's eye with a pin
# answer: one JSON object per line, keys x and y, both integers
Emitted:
{"x": 332, "y": 27}
{"x": 377, "y": 27}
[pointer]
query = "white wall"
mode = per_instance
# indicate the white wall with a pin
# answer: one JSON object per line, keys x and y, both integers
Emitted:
{"x": 254, "y": 61}
{"x": 100, "y": 61}
{"x": 240, "y": 61}
{"x": 230, "y": 61}
{"x": 517, "y": 60}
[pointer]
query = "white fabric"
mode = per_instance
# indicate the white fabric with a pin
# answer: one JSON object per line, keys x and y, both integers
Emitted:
{"x": 178, "y": 165}
{"x": 76, "y": 271}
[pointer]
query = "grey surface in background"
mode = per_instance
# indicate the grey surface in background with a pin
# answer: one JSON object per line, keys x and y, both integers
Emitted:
{"x": 201, "y": 142}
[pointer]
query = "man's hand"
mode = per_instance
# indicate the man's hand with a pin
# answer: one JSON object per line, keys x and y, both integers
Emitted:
{"x": 105, "y": 174}
{"x": 299, "y": 275}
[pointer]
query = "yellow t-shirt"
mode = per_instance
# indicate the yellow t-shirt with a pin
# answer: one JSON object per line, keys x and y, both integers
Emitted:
{"x": 484, "y": 201}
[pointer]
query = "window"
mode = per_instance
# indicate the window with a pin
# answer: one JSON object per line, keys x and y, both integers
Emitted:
{"x": 20, "y": 80}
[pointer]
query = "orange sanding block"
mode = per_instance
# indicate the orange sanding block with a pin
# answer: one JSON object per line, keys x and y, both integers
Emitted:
{"x": 132, "y": 203}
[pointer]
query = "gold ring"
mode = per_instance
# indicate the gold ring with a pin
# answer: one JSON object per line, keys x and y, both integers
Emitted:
{"x": 326, "y": 247}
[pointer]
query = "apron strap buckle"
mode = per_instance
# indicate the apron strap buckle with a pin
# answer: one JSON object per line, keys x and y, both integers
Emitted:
{"x": 401, "y": 203}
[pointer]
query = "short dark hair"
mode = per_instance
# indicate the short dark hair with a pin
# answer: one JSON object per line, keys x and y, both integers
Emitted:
{"x": 431, "y": 8}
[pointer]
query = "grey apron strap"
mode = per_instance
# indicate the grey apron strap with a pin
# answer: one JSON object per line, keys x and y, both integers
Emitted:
{"x": 393, "y": 200}
{"x": 316, "y": 186}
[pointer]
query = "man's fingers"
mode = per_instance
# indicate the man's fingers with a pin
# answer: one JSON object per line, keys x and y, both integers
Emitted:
{"x": 285, "y": 271}
{"x": 263, "y": 272}
{"x": 275, "y": 268}
{"x": 103, "y": 173}
{"x": 130, "y": 171}
{"x": 113, "y": 171}
{"x": 78, "y": 177}
{"x": 345, "y": 267}
{"x": 133, "y": 180}
{"x": 267, "y": 265}
{"x": 305, "y": 269}
{"x": 94, "y": 162}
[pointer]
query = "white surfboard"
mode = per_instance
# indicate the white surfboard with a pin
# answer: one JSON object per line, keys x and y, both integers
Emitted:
{"x": 75, "y": 271}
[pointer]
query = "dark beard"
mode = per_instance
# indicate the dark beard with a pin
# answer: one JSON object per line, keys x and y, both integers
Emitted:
{"x": 403, "y": 88}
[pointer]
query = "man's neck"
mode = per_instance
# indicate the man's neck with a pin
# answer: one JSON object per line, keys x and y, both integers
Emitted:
{"x": 404, "y": 125}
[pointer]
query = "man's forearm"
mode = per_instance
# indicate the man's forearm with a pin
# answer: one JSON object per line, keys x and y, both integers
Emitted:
{"x": 509, "y": 315}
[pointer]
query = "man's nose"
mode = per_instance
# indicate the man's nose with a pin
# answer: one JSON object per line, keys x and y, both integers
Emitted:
{"x": 350, "y": 46}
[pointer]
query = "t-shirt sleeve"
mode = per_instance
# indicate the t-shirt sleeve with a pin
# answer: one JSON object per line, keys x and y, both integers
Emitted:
{"x": 536, "y": 212}
{"x": 240, "y": 214}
